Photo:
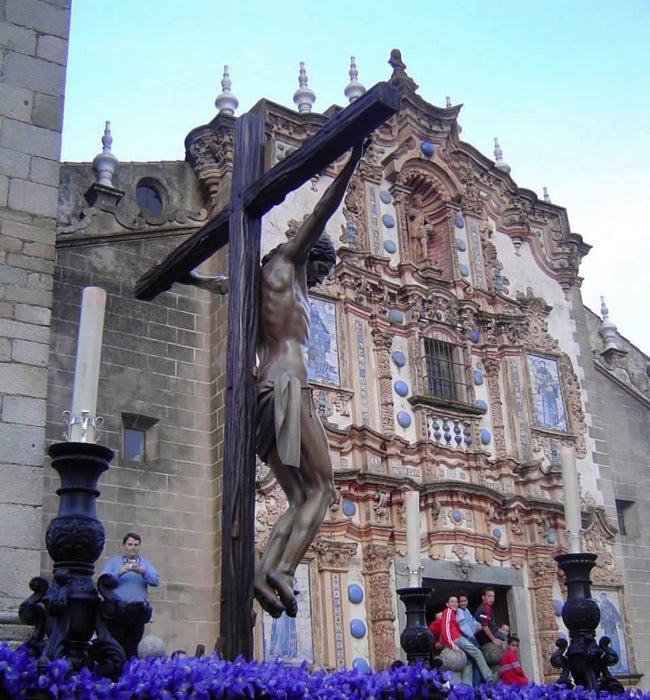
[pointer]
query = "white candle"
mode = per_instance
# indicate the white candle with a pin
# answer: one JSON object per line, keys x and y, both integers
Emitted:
{"x": 86, "y": 374}
{"x": 572, "y": 516}
{"x": 413, "y": 538}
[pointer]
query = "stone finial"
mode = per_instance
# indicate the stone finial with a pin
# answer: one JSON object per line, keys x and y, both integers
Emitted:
{"x": 604, "y": 311}
{"x": 611, "y": 353}
{"x": 226, "y": 102}
{"x": 105, "y": 163}
{"x": 395, "y": 60}
{"x": 498, "y": 157}
{"x": 354, "y": 89}
{"x": 547, "y": 197}
{"x": 303, "y": 97}
{"x": 448, "y": 102}
{"x": 399, "y": 70}
{"x": 607, "y": 330}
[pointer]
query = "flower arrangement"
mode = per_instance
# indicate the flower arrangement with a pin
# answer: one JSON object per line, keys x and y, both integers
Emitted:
{"x": 210, "y": 678}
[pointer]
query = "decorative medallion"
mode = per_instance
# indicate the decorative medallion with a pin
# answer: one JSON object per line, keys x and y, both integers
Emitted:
{"x": 403, "y": 419}
{"x": 355, "y": 593}
{"x": 401, "y": 388}
{"x": 427, "y": 149}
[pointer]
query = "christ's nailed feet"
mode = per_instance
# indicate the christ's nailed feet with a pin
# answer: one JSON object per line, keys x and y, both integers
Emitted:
{"x": 268, "y": 599}
{"x": 283, "y": 584}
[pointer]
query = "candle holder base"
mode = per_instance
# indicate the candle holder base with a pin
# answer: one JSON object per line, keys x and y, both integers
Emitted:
{"x": 64, "y": 612}
{"x": 583, "y": 659}
{"x": 416, "y": 638}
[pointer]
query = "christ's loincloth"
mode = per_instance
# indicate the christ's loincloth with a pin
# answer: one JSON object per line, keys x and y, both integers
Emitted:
{"x": 279, "y": 407}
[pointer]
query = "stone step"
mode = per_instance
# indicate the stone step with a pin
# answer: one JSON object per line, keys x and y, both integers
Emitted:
{"x": 12, "y": 629}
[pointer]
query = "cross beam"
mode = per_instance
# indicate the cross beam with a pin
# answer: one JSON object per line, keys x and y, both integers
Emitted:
{"x": 337, "y": 136}
{"x": 239, "y": 224}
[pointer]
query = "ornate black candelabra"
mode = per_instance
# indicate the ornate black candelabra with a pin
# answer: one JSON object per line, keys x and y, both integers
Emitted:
{"x": 66, "y": 612}
{"x": 583, "y": 659}
{"x": 416, "y": 638}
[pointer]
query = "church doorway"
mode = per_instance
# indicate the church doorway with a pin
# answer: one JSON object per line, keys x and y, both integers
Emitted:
{"x": 442, "y": 588}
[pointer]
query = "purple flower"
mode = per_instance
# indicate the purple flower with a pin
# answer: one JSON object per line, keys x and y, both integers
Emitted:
{"x": 210, "y": 678}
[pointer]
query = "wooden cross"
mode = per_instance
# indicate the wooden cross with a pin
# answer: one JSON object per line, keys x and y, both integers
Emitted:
{"x": 239, "y": 224}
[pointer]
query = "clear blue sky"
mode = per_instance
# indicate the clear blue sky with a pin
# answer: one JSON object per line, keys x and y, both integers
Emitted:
{"x": 564, "y": 84}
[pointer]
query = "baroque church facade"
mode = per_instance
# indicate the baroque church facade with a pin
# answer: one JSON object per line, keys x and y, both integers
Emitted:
{"x": 450, "y": 354}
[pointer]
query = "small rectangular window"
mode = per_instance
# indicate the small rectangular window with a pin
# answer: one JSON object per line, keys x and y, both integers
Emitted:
{"x": 444, "y": 374}
{"x": 139, "y": 438}
{"x": 134, "y": 445}
{"x": 628, "y": 525}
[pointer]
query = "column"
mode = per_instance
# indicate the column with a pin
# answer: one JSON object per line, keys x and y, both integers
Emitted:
{"x": 333, "y": 565}
{"x": 377, "y": 560}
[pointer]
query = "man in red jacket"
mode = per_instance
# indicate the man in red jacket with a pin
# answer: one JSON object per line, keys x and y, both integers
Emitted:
{"x": 510, "y": 669}
{"x": 452, "y": 637}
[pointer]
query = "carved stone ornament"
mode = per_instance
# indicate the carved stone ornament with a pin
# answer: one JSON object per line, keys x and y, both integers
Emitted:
{"x": 336, "y": 401}
{"x": 354, "y": 210}
{"x": 269, "y": 505}
{"x": 599, "y": 539}
{"x": 573, "y": 399}
{"x": 126, "y": 213}
{"x": 370, "y": 167}
{"x": 543, "y": 574}
{"x": 381, "y": 506}
{"x": 333, "y": 555}
{"x": 377, "y": 559}
{"x": 209, "y": 150}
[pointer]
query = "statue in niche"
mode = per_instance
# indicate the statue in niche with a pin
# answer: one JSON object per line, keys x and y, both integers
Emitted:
{"x": 419, "y": 227}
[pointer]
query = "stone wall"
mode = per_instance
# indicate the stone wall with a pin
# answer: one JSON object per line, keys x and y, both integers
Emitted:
{"x": 33, "y": 55}
{"x": 161, "y": 370}
{"x": 618, "y": 402}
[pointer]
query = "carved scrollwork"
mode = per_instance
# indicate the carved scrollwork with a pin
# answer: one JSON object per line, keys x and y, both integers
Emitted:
{"x": 517, "y": 524}
{"x": 381, "y": 506}
{"x": 370, "y": 167}
{"x": 271, "y": 503}
{"x": 534, "y": 331}
{"x": 333, "y": 401}
{"x": 334, "y": 555}
{"x": 210, "y": 150}
{"x": 354, "y": 212}
{"x": 543, "y": 574}
{"x": 599, "y": 539}
{"x": 377, "y": 557}
{"x": 77, "y": 539}
{"x": 573, "y": 398}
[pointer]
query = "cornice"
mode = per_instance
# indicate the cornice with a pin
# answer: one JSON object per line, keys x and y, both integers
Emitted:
{"x": 607, "y": 372}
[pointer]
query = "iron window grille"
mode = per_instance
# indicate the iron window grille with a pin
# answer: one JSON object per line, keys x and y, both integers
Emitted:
{"x": 445, "y": 372}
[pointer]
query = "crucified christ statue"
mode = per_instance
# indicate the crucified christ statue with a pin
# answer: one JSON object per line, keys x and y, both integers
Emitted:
{"x": 253, "y": 193}
{"x": 290, "y": 436}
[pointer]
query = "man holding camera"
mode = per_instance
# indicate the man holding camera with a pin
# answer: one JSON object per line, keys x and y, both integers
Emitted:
{"x": 131, "y": 575}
